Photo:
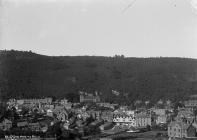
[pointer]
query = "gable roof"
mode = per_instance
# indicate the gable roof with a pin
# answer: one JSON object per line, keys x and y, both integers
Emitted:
{"x": 180, "y": 124}
{"x": 191, "y": 126}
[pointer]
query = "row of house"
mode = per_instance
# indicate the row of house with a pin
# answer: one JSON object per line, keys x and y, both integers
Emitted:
{"x": 135, "y": 120}
{"x": 42, "y": 125}
{"x": 30, "y": 101}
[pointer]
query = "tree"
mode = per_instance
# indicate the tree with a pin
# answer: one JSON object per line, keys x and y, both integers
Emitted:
{"x": 195, "y": 113}
{"x": 72, "y": 97}
{"x": 148, "y": 127}
{"x": 89, "y": 120}
{"x": 24, "y": 111}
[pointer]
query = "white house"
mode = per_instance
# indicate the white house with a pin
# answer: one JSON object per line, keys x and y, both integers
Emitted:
{"x": 124, "y": 118}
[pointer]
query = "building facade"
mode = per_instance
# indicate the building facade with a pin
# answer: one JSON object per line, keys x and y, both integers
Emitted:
{"x": 161, "y": 119}
{"x": 181, "y": 130}
{"x": 190, "y": 103}
{"x": 124, "y": 118}
{"x": 89, "y": 98}
{"x": 143, "y": 120}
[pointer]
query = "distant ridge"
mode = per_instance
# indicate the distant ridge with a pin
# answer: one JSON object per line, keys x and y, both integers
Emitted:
{"x": 27, "y": 74}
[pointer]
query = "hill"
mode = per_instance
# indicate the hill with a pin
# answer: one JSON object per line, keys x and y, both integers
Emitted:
{"x": 30, "y": 75}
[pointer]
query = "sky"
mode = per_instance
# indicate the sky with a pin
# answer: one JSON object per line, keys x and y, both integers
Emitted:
{"x": 134, "y": 28}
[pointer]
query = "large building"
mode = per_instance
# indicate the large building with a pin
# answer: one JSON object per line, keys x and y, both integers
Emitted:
{"x": 161, "y": 116}
{"x": 143, "y": 120}
{"x": 86, "y": 97}
{"x": 186, "y": 115}
{"x": 159, "y": 111}
{"x": 184, "y": 125}
{"x": 139, "y": 120}
{"x": 125, "y": 119}
{"x": 161, "y": 119}
{"x": 191, "y": 102}
{"x": 181, "y": 130}
{"x": 35, "y": 101}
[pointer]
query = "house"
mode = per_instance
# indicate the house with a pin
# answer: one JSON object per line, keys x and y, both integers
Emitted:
{"x": 48, "y": 106}
{"x": 160, "y": 115}
{"x": 160, "y": 102}
{"x": 123, "y": 108}
{"x": 159, "y": 112}
{"x": 79, "y": 123}
{"x": 66, "y": 125}
{"x": 147, "y": 102}
{"x": 161, "y": 119}
{"x": 107, "y": 116}
{"x": 181, "y": 130}
{"x": 22, "y": 124}
{"x": 34, "y": 126}
{"x": 186, "y": 115}
{"x": 137, "y": 102}
{"x": 143, "y": 120}
{"x": 84, "y": 115}
{"x": 191, "y": 131}
{"x": 66, "y": 104}
{"x": 44, "y": 128}
{"x": 6, "y": 124}
{"x": 125, "y": 119}
{"x": 107, "y": 105}
{"x": 11, "y": 103}
{"x": 191, "y": 102}
{"x": 95, "y": 114}
{"x": 168, "y": 102}
{"x": 86, "y": 97}
{"x": 35, "y": 101}
{"x": 20, "y": 102}
{"x": 50, "y": 113}
{"x": 61, "y": 113}
{"x": 130, "y": 112}
{"x": 46, "y": 123}
{"x": 63, "y": 101}
{"x": 62, "y": 116}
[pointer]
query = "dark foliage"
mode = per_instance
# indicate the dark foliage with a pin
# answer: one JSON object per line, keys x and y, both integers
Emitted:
{"x": 29, "y": 75}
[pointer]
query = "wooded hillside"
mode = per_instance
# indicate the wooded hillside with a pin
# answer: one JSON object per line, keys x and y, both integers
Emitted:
{"x": 29, "y": 75}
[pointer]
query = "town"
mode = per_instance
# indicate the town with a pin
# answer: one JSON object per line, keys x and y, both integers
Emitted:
{"x": 93, "y": 119}
{"x": 98, "y": 69}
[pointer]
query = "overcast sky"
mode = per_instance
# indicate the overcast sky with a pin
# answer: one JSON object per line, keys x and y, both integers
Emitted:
{"x": 139, "y": 28}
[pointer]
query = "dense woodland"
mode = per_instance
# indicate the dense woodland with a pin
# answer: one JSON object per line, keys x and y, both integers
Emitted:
{"x": 30, "y": 75}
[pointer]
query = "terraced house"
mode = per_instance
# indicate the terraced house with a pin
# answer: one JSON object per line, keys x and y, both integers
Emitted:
{"x": 143, "y": 120}
{"x": 123, "y": 118}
